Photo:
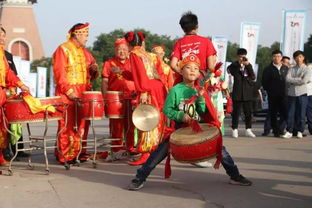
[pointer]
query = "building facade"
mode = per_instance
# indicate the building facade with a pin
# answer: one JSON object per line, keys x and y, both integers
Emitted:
{"x": 22, "y": 34}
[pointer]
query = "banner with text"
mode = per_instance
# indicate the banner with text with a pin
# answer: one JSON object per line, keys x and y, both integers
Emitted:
{"x": 249, "y": 39}
{"x": 41, "y": 81}
{"x": 293, "y": 31}
{"x": 52, "y": 84}
{"x": 32, "y": 84}
{"x": 220, "y": 44}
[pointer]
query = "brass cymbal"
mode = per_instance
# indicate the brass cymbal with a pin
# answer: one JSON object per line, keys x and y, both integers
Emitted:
{"x": 145, "y": 117}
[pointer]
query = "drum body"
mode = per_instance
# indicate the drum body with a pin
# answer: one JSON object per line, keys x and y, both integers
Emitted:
{"x": 189, "y": 147}
{"x": 114, "y": 104}
{"x": 17, "y": 111}
{"x": 91, "y": 105}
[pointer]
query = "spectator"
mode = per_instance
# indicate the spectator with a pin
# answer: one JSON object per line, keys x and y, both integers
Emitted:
{"x": 242, "y": 95}
{"x": 274, "y": 82}
{"x": 297, "y": 78}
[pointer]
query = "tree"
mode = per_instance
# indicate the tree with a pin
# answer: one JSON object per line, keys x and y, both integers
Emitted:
{"x": 308, "y": 49}
{"x": 231, "y": 52}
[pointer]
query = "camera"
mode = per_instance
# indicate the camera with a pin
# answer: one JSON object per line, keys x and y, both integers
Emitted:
{"x": 244, "y": 59}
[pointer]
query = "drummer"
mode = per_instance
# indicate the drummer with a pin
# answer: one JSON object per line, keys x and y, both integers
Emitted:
{"x": 176, "y": 109}
{"x": 8, "y": 80}
{"x": 115, "y": 80}
{"x": 73, "y": 67}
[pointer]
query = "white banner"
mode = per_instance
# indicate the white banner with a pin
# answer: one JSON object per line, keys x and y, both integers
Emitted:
{"x": 32, "y": 84}
{"x": 220, "y": 44}
{"x": 41, "y": 81}
{"x": 23, "y": 70}
{"x": 52, "y": 84}
{"x": 249, "y": 40}
{"x": 293, "y": 31}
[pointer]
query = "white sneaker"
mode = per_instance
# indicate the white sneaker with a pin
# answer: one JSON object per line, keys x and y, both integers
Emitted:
{"x": 299, "y": 135}
{"x": 235, "y": 133}
{"x": 204, "y": 164}
{"x": 249, "y": 133}
{"x": 287, "y": 135}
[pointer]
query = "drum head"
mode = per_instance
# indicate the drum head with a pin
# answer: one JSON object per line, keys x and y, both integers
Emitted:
{"x": 186, "y": 136}
{"x": 145, "y": 117}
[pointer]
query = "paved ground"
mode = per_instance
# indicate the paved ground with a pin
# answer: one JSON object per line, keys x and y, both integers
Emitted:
{"x": 281, "y": 170}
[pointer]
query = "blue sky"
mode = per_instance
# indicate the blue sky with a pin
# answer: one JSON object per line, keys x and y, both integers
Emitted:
{"x": 216, "y": 17}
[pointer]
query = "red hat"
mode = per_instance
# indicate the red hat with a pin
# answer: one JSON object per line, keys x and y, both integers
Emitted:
{"x": 84, "y": 28}
{"x": 120, "y": 41}
{"x": 191, "y": 58}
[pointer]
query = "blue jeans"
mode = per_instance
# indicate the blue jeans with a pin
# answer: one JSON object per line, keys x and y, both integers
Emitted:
{"x": 309, "y": 113}
{"x": 161, "y": 153}
{"x": 297, "y": 107}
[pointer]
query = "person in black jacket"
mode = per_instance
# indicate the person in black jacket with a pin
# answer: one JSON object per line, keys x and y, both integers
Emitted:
{"x": 10, "y": 150}
{"x": 274, "y": 82}
{"x": 242, "y": 94}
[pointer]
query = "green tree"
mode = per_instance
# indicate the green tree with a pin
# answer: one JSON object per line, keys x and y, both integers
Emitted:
{"x": 231, "y": 52}
{"x": 308, "y": 49}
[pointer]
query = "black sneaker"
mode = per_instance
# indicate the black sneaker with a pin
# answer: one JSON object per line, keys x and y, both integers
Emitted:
{"x": 240, "y": 180}
{"x": 135, "y": 184}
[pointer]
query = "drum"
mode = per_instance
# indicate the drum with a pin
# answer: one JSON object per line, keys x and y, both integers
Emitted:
{"x": 114, "y": 104}
{"x": 91, "y": 105}
{"x": 189, "y": 147}
{"x": 17, "y": 111}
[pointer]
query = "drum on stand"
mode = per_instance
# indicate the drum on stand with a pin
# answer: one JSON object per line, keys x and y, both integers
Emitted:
{"x": 114, "y": 104}
{"x": 17, "y": 111}
{"x": 91, "y": 105}
{"x": 189, "y": 147}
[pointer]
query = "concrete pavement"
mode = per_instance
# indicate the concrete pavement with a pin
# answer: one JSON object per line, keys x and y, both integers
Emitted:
{"x": 281, "y": 171}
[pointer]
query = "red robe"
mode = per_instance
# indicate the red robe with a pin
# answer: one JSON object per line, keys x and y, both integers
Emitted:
{"x": 7, "y": 79}
{"x": 123, "y": 127}
{"x": 149, "y": 78}
{"x": 70, "y": 67}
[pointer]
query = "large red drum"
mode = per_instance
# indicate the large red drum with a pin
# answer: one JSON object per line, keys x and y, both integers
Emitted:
{"x": 189, "y": 147}
{"x": 91, "y": 105}
{"x": 17, "y": 111}
{"x": 114, "y": 107}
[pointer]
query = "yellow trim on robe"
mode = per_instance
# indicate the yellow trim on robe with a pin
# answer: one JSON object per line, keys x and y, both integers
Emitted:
{"x": 76, "y": 68}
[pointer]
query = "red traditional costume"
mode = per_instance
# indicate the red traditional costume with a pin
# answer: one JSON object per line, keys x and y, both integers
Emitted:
{"x": 71, "y": 64}
{"x": 7, "y": 79}
{"x": 159, "y": 50}
{"x": 149, "y": 80}
{"x": 121, "y": 127}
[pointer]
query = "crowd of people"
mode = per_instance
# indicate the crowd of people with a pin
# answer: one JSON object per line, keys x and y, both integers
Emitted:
{"x": 145, "y": 78}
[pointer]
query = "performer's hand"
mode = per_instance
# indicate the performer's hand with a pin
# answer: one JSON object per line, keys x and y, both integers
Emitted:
{"x": 73, "y": 96}
{"x": 94, "y": 67}
{"x": 201, "y": 91}
{"x": 116, "y": 70}
{"x": 24, "y": 88}
{"x": 93, "y": 70}
{"x": 143, "y": 98}
{"x": 187, "y": 119}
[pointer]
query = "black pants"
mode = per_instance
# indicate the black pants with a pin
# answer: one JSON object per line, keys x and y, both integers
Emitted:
{"x": 278, "y": 104}
{"x": 236, "y": 112}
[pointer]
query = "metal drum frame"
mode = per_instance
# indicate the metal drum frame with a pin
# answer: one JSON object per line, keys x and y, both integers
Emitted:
{"x": 43, "y": 140}
{"x": 97, "y": 142}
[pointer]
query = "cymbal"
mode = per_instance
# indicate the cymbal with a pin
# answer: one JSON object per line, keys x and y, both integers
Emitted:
{"x": 145, "y": 117}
